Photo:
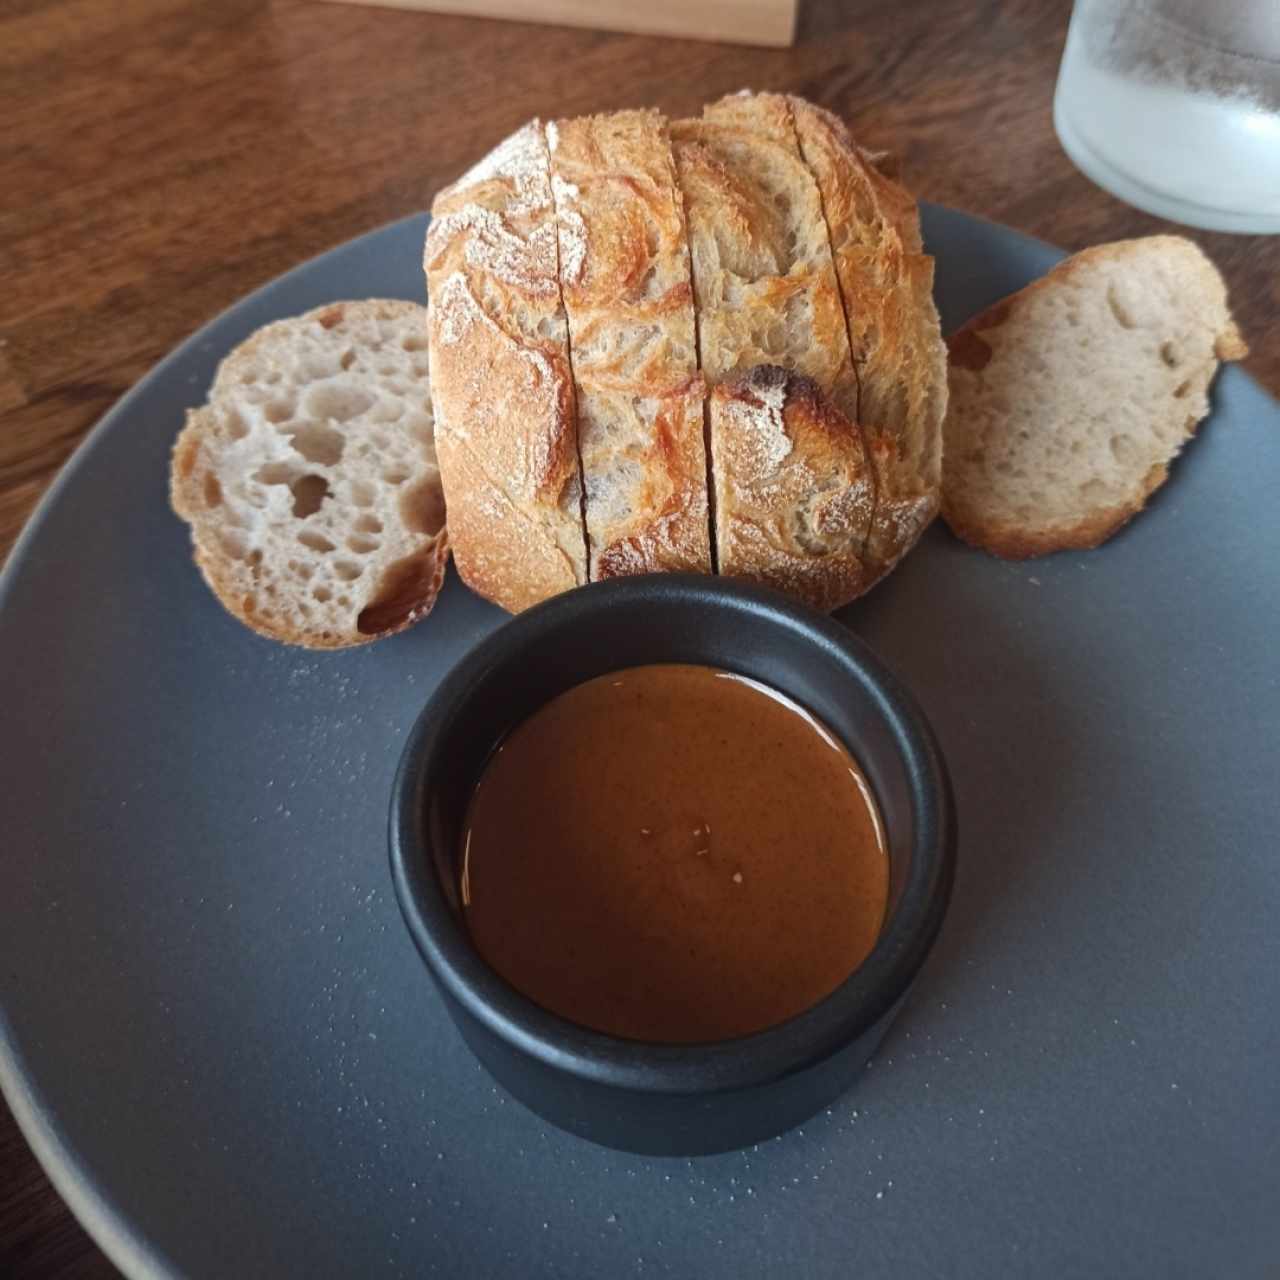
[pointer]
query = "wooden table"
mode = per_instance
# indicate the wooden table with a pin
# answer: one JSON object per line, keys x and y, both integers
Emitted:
{"x": 160, "y": 158}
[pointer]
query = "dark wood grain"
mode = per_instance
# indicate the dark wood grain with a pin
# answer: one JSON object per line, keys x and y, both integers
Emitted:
{"x": 160, "y": 158}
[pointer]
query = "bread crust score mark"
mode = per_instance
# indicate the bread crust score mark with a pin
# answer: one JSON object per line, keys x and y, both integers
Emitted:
{"x": 1162, "y": 303}
{"x": 624, "y": 277}
{"x": 549, "y": 139}
{"x": 506, "y": 415}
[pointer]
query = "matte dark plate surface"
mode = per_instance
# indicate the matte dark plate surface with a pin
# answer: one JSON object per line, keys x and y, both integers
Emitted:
{"x": 216, "y": 1032}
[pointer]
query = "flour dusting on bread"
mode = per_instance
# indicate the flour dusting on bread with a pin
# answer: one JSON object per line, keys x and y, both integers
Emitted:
{"x": 516, "y": 160}
{"x": 624, "y": 275}
{"x": 791, "y": 505}
{"x": 572, "y": 230}
{"x": 772, "y": 334}
{"x": 755, "y": 419}
{"x": 527, "y": 264}
{"x": 501, "y": 365}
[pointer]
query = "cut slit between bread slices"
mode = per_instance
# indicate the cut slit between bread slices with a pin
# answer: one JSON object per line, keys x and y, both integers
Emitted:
{"x": 823, "y": 181}
{"x": 774, "y": 347}
{"x": 872, "y": 472}
{"x": 708, "y": 452}
{"x": 549, "y": 137}
{"x": 713, "y": 539}
{"x": 625, "y": 283}
{"x": 499, "y": 356}
{"x": 894, "y": 336}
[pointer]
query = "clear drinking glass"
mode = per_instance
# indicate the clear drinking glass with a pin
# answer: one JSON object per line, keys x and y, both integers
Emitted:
{"x": 1174, "y": 106}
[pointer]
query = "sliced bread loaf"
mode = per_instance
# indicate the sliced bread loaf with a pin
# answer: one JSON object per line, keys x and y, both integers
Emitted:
{"x": 624, "y": 275}
{"x": 505, "y": 422}
{"x": 593, "y": 279}
{"x": 1070, "y": 398}
{"x": 309, "y": 479}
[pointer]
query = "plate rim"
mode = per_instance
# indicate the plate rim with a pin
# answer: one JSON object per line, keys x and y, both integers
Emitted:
{"x": 124, "y": 1243}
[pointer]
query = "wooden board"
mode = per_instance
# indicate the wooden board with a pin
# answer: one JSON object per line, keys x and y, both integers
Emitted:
{"x": 760, "y": 22}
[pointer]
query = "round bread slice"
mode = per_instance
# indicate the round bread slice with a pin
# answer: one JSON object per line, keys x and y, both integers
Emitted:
{"x": 309, "y": 479}
{"x": 1070, "y": 398}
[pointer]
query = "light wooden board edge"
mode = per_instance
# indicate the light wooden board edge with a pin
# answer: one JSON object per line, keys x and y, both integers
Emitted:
{"x": 758, "y": 22}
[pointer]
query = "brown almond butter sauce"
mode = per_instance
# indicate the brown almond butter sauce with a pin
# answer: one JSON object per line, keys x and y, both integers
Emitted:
{"x": 673, "y": 854}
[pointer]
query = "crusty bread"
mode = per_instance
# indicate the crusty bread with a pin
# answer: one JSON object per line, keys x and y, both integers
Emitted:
{"x": 784, "y": 522}
{"x": 505, "y": 421}
{"x": 887, "y": 285}
{"x": 593, "y": 280}
{"x": 1070, "y": 398}
{"x": 767, "y": 295}
{"x": 309, "y": 479}
{"x": 763, "y": 276}
{"x": 624, "y": 275}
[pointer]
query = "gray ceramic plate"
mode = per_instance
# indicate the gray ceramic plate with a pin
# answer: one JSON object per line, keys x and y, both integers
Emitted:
{"x": 217, "y": 1036}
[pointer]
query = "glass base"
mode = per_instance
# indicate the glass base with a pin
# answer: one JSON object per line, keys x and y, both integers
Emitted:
{"x": 1124, "y": 187}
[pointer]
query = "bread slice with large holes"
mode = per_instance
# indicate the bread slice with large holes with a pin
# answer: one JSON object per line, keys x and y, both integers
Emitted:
{"x": 1070, "y": 398}
{"x": 309, "y": 479}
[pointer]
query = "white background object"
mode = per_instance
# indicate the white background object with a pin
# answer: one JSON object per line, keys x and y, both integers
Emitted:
{"x": 1174, "y": 107}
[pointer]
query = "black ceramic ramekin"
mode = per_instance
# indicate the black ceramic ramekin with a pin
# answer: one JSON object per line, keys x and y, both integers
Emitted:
{"x": 653, "y": 1098}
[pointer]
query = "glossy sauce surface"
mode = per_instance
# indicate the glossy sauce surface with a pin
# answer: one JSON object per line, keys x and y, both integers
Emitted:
{"x": 673, "y": 853}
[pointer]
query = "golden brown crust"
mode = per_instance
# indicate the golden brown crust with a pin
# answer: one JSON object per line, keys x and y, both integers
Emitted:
{"x": 764, "y": 283}
{"x": 768, "y": 296}
{"x": 407, "y": 591}
{"x": 506, "y": 430}
{"x": 791, "y": 499}
{"x": 417, "y": 585}
{"x": 784, "y": 272}
{"x": 1010, "y": 542}
{"x": 966, "y": 348}
{"x": 886, "y": 282}
{"x": 772, "y": 116}
{"x": 862, "y": 197}
{"x": 507, "y": 455}
{"x": 625, "y": 277}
